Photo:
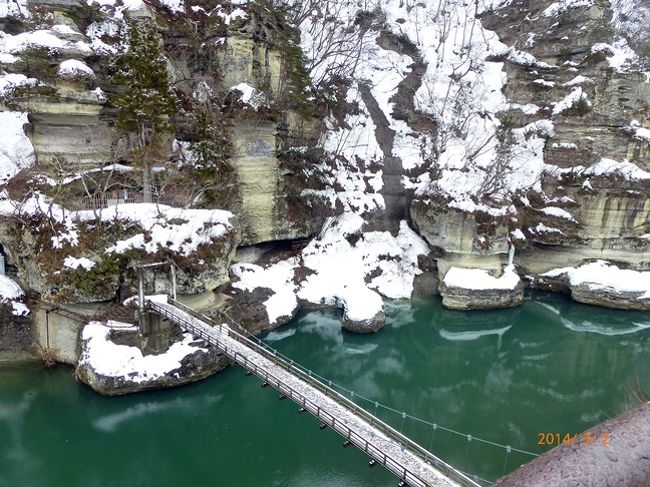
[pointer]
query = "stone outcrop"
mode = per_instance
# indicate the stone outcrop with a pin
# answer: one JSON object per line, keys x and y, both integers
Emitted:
{"x": 470, "y": 299}
{"x": 472, "y": 289}
{"x": 591, "y": 293}
{"x": 363, "y": 326}
{"x": 119, "y": 360}
{"x": 607, "y": 211}
{"x": 194, "y": 368}
{"x": 72, "y": 118}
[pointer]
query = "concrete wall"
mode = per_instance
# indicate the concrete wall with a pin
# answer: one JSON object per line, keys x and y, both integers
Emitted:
{"x": 59, "y": 334}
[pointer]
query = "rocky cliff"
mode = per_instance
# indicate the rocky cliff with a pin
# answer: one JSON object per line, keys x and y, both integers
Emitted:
{"x": 327, "y": 153}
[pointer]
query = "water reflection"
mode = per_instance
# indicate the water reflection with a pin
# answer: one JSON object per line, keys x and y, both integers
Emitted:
{"x": 610, "y": 322}
{"x": 13, "y": 415}
{"x": 111, "y": 422}
{"x": 443, "y": 366}
{"x": 504, "y": 375}
{"x": 464, "y": 336}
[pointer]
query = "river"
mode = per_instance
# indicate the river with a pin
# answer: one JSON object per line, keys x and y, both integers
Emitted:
{"x": 550, "y": 366}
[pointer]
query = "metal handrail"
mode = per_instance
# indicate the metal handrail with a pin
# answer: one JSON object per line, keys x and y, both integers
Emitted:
{"x": 377, "y": 423}
{"x": 296, "y": 396}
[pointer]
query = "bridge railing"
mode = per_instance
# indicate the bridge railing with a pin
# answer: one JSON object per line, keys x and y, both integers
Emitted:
{"x": 387, "y": 430}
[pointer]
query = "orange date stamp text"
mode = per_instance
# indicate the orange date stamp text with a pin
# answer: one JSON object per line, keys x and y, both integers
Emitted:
{"x": 555, "y": 439}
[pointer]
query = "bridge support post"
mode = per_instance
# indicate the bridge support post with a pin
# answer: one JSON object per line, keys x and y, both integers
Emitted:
{"x": 140, "y": 291}
{"x": 172, "y": 268}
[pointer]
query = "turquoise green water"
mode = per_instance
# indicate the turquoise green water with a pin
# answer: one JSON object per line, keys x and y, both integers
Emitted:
{"x": 549, "y": 366}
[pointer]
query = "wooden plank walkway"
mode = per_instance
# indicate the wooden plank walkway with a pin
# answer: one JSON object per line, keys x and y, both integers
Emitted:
{"x": 412, "y": 464}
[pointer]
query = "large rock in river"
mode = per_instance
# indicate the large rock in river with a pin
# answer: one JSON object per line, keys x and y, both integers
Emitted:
{"x": 112, "y": 365}
{"x": 466, "y": 289}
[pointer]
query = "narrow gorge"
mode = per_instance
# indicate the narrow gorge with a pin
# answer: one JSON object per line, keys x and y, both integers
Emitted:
{"x": 267, "y": 161}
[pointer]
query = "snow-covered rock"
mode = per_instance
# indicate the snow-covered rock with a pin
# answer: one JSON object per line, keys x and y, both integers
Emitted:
{"x": 477, "y": 289}
{"x": 345, "y": 267}
{"x": 112, "y": 368}
{"x": 605, "y": 284}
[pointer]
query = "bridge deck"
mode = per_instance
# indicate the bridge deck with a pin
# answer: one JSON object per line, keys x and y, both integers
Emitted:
{"x": 409, "y": 462}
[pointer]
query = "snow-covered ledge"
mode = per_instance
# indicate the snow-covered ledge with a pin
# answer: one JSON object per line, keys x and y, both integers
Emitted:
{"x": 604, "y": 284}
{"x": 478, "y": 289}
{"x": 111, "y": 368}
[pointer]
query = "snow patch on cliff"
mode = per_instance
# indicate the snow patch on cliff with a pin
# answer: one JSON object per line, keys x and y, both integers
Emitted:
{"x": 13, "y": 8}
{"x": 16, "y": 151}
{"x": 12, "y": 295}
{"x": 73, "y": 68}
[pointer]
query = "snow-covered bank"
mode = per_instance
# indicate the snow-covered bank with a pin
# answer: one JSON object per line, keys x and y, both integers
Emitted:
{"x": 344, "y": 267}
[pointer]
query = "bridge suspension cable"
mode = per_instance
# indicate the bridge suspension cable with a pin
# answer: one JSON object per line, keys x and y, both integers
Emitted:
{"x": 376, "y": 404}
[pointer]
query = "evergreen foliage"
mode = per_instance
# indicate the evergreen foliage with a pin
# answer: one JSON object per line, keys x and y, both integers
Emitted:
{"x": 145, "y": 101}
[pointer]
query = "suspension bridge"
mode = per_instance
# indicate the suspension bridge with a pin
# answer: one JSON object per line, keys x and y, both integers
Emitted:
{"x": 412, "y": 464}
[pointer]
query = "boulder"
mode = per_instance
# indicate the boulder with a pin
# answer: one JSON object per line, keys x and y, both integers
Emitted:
{"x": 472, "y": 289}
{"x": 112, "y": 368}
{"x": 363, "y": 325}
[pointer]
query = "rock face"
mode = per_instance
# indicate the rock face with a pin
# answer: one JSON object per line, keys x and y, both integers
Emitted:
{"x": 16, "y": 336}
{"x": 209, "y": 56}
{"x": 588, "y": 175}
{"x": 610, "y": 298}
{"x": 608, "y": 454}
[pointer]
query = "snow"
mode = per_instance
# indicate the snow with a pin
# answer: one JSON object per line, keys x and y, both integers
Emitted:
{"x": 606, "y": 167}
{"x": 541, "y": 228}
{"x": 278, "y": 278}
{"x": 9, "y": 82}
{"x": 74, "y": 263}
{"x": 73, "y": 68}
{"x": 13, "y": 8}
{"x": 40, "y": 39}
{"x": 120, "y": 361}
{"x": 577, "y": 96}
{"x": 517, "y": 234}
{"x": 558, "y": 212}
{"x": 341, "y": 271}
{"x": 602, "y": 275}
{"x": 480, "y": 279}
{"x": 236, "y": 14}
{"x": 250, "y": 95}
{"x": 521, "y": 58}
{"x": 177, "y": 230}
{"x": 11, "y": 294}
{"x": 355, "y": 139}
{"x": 579, "y": 80}
{"x": 17, "y": 152}
{"x": 562, "y": 6}
{"x": 544, "y": 83}
{"x": 101, "y": 96}
{"x": 639, "y": 131}
{"x": 175, "y": 6}
{"x": 564, "y": 145}
{"x": 619, "y": 54}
